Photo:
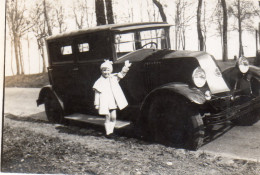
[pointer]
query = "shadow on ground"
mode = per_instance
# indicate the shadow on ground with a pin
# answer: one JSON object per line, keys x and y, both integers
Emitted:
{"x": 129, "y": 132}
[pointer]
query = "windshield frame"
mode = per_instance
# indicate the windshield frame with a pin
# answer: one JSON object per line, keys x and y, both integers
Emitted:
{"x": 137, "y": 40}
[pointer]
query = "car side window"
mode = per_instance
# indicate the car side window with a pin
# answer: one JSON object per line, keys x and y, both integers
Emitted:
{"x": 124, "y": 43}
{"x": 83, "y": 47}
{"x": 66, "y": 50}
{"x": 61, "y": 52}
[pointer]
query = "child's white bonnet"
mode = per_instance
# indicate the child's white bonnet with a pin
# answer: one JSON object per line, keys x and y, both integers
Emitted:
{"x": 107, "y": 64}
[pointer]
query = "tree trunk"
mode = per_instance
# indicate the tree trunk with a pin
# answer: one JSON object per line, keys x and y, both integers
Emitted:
{"x": 241, "y": 51}
{"x": 205, "y": 28}
{"x": 177, "y": 23}
{"x": 20, "y": 56}
{"x": 16, "y": 55}
{"x": 43, "y": 61}
{"x": 110, "y": 15}
{"x": 161, "y": 11}
{"x": 225, "y": 25}
{"x": 183, "y": 40}
{"x": 12, "y": 56}
{"x": 200, "y": 36}
{"x": 41, "y": 50}
{"x": 46, "y": 17}
{"x": 100, "y": 12}
{"x": 28, "y": 54}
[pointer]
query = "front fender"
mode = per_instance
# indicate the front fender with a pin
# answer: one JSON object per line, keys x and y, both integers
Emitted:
{"x": 48, "y": 91}
{"x": 232, "y": 74}
{"x": 192, "y": 94}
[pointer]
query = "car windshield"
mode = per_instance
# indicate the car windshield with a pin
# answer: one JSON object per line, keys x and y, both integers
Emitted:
{"x": 134, "y": 40}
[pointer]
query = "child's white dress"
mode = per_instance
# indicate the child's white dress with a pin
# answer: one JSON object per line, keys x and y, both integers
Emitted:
{"x": 108, "y": 94}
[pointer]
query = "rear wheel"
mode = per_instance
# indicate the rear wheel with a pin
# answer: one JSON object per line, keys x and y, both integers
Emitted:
{"x": 173, "y": 121}
{"x": 53, "y": 110}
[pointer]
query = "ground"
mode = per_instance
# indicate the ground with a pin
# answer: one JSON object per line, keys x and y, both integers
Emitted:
{"x": 30, "y": 81}
{"x": 36, "y": 146}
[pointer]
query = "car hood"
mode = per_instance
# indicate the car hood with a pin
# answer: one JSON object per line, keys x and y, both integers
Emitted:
{"x": 214, "y": 77}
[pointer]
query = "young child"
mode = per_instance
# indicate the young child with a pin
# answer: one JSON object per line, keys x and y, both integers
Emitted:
{"x": 109, "y": 95}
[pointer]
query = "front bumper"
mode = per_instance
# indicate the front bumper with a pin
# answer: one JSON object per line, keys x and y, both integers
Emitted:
{"x": 232, "y": 112}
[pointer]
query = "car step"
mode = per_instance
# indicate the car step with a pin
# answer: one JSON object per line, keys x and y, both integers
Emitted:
{"x": 97, "y": 120}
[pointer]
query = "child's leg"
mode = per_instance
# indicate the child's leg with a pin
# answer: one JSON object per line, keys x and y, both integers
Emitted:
{"x": 113, "y": 115}
{"x": 113, "y": 119}
{"x": 108, "y": 118}
{"x": 110, "y": 122}
{"x": 107, "y": 124}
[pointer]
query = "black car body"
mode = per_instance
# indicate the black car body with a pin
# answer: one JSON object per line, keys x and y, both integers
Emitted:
{"x": 165, "y": 89}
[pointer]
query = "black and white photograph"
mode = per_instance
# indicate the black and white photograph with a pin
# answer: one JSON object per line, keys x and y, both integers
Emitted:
{"x": 133, "y": 87}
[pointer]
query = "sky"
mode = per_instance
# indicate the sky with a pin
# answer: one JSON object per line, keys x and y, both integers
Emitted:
{"x": 140, "y": 10}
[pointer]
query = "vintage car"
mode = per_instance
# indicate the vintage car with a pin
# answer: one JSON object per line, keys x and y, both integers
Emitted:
{"x": 173, "y": 96}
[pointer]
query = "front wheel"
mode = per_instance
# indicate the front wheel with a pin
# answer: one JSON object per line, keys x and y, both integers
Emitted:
{"x": 53, "y": 110}
{"x": 173, "y": 121}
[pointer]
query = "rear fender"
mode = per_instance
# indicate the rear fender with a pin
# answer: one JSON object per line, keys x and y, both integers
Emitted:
{"x": 48, "y": 91}
{"x": 193, "y": 95}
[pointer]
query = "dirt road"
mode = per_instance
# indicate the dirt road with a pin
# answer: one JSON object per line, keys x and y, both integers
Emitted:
{"x": 236, "y": 142}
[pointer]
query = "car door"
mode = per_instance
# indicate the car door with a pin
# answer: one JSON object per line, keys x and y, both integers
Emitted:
{"x": 62, "y": 71}
{"x": 91, "y": 51}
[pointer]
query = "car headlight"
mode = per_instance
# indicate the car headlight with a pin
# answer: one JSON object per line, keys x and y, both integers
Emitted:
{"x": 199, "y": 77}
{"x": 243, "y": 64}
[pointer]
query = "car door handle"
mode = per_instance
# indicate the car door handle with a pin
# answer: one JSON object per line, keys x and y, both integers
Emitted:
{"x": 75, "y": 69}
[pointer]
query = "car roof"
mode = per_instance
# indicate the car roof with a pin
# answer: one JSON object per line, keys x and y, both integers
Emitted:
{"x": 112, "y": 27}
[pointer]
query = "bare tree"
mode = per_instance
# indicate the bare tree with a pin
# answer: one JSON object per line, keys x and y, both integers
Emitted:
{"x": 200, "y": 36}
{"x": 130, "y": 11}
{"x": 18, "y": 25}
{"x": 204, "y": 27}
{"x": 220, "y": 19}
{"x": 244, "y": 11}
{"x": 182, "y": 21}
{"x": 42, "y": 26}
{"x": 161, "y": 10}
{"x": 60, "y": 16}
{"x": 109, "y": 8}
{"x": 80, "y": 13}
{"x": 100, "y": 12}
{"x": 46, "y": 17}
{"x": 150, "y": 13}
{"x": 28, "y": 53}
{"x": 12, "y": 57}
{"x": 225, "y": 30}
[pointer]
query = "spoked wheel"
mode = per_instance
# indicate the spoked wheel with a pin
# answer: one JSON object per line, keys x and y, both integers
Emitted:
{"x": 173, "y": 122}
{"x": 53, "y": 110}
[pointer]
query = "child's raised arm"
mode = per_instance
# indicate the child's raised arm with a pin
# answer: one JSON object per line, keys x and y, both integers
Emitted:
{"x": 124, "y": 70}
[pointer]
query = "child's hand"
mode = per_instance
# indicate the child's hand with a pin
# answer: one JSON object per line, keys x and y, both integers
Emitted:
{"x": 127, "y": 64}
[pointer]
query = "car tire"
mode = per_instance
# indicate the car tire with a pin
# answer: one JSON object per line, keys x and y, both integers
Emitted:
{"x": 173, "y": 121}
{"x": 53, "y": 110}
{"x": 247, "y": 119}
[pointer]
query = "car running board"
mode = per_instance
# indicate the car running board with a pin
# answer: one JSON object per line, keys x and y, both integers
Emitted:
{"x": 97, "y": 120}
